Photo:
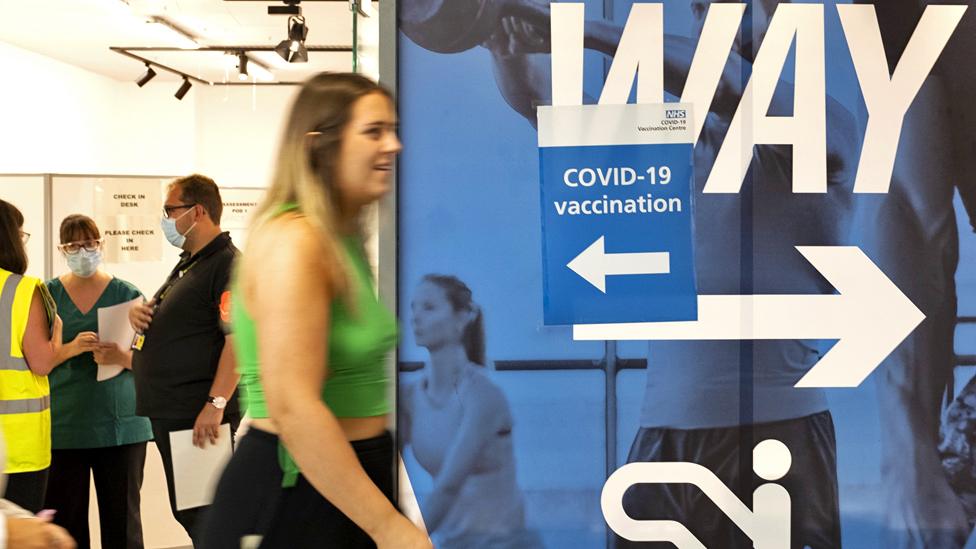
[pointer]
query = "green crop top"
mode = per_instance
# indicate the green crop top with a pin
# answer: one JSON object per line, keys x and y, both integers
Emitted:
{"x": 360, "y": 336}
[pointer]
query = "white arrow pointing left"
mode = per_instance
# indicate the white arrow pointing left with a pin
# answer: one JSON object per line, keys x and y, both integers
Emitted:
{"x": 595, "y": 265}
{"x": 869, "y": 318}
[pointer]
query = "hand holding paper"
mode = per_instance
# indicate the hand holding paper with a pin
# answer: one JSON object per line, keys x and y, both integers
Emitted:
{"x": 114, "y": 334}
{"x": 195, "y": 470}
{"x": 109, "y": 354}
{"x": 140, "y": 314}
{"x": 84, "y": 341}
{"x": 207, "y": 426}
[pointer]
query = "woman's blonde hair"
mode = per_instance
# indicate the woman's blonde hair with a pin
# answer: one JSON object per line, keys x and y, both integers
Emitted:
{"x": 305, "y": 170}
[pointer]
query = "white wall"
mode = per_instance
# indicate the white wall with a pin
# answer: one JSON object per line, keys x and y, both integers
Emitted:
{"x": 26, "y": 193}
{"x": 237, "y": 130}
{"x": 58, "y": 118}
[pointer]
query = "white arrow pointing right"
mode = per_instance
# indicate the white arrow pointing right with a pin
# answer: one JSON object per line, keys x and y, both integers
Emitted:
{"x": 869, "y": 318}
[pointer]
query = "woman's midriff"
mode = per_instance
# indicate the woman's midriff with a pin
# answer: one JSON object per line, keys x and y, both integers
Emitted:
{"x": 355, "y": 428}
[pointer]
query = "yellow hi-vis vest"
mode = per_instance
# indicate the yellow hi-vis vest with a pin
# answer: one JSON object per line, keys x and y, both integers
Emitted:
{"x": 25, "y": 398}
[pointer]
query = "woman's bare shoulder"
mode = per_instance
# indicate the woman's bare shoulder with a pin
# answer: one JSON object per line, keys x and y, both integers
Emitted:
{"x": 288, "y": 247}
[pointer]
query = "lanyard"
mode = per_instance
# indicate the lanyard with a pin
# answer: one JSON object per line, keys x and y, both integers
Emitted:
{"x": 222, "y": 240}
{"x": 181, "y": 269}
{"x": 177, "y": 274}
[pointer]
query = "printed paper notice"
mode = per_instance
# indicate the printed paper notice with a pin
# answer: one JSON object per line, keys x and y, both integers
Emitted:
{"x": 238, "y": 205}
{"x": 195, "y": 470}
{"x": 128, "y": 212}
{"x": 114, "y": 327}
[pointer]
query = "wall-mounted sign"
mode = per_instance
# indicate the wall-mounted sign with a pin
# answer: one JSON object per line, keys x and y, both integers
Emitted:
{"x": 238, "y": 205}
{"x": 128, "y": 212}
{"x": 617, "y": 213}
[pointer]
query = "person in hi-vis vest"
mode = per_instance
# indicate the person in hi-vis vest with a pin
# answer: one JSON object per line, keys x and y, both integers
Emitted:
{"x": 30, "y": 341}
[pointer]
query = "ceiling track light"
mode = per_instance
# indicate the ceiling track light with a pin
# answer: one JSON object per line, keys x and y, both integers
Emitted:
{"x": 293, "y": 48}
{"x": 146, "y": 76}
{"x": 184, "y": 88}
{"x": 242, "y": 66}
{"x": 253, "y": 69}
{"x": 291, "y": 7}
{"x": 258, "y": 63}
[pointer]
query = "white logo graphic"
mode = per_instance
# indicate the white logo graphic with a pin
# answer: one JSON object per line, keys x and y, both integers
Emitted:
{"x": 767, "y": 524}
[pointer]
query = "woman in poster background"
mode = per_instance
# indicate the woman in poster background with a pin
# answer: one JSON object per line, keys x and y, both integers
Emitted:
{"x": 459, "y": 425}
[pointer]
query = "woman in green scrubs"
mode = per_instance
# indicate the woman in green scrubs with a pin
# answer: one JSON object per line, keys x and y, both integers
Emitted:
{"x": 94, "y": 427}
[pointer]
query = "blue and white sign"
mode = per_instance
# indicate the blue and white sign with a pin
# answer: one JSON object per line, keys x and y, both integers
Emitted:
{"x": 617, "y": 213}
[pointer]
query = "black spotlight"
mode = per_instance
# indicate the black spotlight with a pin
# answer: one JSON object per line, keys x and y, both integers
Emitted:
{"x": 242, "y": 66}
{"x": 293, "y": 49}
{"x": 146, "y": 77}
{"x": 291, "y": 7}
{"x": 184, "y": 87}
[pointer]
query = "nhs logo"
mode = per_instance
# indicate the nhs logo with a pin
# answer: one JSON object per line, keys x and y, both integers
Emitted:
{"x": 676, "y": 114}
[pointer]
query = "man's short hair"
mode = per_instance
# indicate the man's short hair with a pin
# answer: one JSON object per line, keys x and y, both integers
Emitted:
{"x": 200, "y": 189}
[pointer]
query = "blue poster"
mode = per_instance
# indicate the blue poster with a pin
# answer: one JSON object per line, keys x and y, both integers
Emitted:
{"x": 616, "y": 214}
{"x": 820, "y": 130}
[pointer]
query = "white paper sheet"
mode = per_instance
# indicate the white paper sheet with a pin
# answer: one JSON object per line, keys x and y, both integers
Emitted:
{"x": 114, "y": 327}
{"x": 196, "y": 471}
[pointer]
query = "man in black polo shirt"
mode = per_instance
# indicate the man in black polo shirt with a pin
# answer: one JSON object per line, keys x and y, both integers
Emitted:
{"x": 182, "y": 360}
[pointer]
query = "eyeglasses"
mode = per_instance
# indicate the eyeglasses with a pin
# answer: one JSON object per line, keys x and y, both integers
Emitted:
{"x": 71, "y": 248}
{"x": 168, "y": 210}
{"x": 24, "y": 237}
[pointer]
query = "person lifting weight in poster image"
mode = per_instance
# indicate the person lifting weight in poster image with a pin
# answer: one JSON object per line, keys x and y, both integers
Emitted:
{"x": 910, "y": 232}
{"x": 693, "y": 399}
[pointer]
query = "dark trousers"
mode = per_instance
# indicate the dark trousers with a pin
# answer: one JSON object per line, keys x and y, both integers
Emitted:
{"x": 727, "y": 452}
{"x": 117, "y": 471}
{"x": 188, "y": 518}
{"x": 27, "y": 489}
{"x": 251, "y": 501}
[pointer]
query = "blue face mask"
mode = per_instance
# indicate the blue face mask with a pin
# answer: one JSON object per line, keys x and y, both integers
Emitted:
{"x": 171, "y": 233}
{"x": 84, "y": 263}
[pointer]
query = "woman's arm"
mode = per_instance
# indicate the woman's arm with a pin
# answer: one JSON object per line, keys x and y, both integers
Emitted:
{"x": 41, "y": 350}
{"x": 83, "y": 342}
{"x": 286, "y": 291}
{"x": 111, "y": 353}
{"x": 485, "y": 412}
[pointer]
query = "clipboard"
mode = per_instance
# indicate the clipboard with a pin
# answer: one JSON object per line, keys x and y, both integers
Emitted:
{"x": 50, "y": 307}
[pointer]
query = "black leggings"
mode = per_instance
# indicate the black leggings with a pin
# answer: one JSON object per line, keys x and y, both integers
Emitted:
{"x": 251, "y": 502}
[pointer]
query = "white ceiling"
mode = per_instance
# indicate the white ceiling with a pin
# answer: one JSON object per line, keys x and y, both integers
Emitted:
{"x": 80, "y": 32}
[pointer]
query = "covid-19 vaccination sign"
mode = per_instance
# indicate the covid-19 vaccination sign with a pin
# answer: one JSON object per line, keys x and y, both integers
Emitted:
{"x": 616, "y": 213}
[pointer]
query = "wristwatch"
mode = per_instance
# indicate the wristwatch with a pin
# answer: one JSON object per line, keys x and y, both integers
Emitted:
{"x": 218, "y": 402}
